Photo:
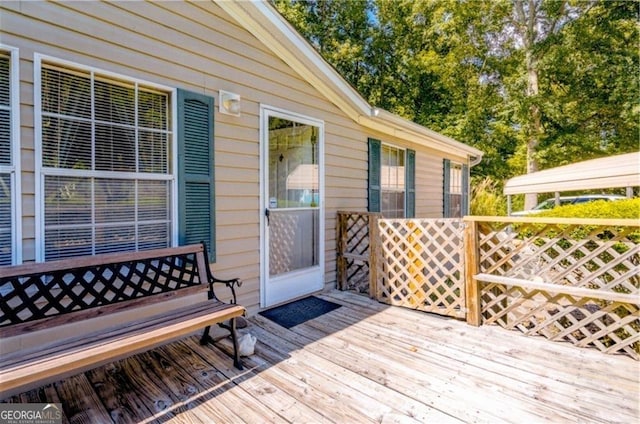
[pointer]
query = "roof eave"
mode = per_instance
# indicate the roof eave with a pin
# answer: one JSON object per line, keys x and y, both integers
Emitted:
{"x": 266, "y": 24}
{"x": 398, "y": 126}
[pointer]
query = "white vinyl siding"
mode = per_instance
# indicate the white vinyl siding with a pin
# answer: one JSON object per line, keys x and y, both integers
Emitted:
{"x": 106, "y": 176}
{"x": 9, "y": 158}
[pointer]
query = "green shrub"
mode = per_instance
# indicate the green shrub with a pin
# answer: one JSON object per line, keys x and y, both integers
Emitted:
{"x": 600, "y": 209}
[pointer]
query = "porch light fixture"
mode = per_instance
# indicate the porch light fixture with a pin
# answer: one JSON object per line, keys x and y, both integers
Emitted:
{"x": 229, "y": 103}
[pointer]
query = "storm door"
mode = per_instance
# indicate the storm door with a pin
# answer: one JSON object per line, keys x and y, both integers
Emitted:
{"x": 292, "y": 224}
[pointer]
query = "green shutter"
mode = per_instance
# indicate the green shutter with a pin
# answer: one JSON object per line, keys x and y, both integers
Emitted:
{"x": 196, "y": 186}
{"x": 465, "y": 190}
{"x": 410, "y": 184}
{"x": 375, "y": 189}
{"x": 446, "y": 190}
{"x": 7, "y": 199}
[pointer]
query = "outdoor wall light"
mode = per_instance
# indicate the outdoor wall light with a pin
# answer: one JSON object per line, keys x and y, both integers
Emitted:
{"x": 229, "y": 103}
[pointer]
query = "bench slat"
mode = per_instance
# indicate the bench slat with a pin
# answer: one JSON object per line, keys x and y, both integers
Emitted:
{"x": 85, "y": 314}
{"x": 25, "y": 368}
{"x": 95, "y": 260}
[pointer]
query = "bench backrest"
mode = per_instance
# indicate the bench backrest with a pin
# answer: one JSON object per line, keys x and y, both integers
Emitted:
{"x": 34, "y": 294}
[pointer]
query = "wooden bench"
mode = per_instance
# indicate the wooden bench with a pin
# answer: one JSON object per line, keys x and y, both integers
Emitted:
{"x": 37, "y": 297}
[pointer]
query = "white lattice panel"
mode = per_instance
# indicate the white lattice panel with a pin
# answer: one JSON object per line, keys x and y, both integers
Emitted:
{"x": 602, "y": 258}
{"x": 282, "y": 242}
{"x": 422, "y": 265}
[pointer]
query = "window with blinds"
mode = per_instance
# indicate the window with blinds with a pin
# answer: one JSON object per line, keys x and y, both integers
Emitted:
{"x": 392, "y": 182}
{"x": 456, "y": 189}
{"x": 106, "y": 172}
{"x": 7, "y": 187}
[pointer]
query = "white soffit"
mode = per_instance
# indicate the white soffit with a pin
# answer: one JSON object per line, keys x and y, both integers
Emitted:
{"x": 266, "y": 24}
{"x": 608, "y": 172}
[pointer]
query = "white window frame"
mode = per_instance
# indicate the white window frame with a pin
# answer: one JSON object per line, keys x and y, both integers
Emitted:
{"x": 39, "y": 59}
{"x": 403, "y": 152}
{"x": 14, "y": 169}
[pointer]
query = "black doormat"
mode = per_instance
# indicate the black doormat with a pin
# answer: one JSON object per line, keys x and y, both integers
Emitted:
{"x": 297, "y": 312}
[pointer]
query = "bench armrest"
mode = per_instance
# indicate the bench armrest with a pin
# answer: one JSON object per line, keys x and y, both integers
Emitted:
{"x": 232, "y": 284}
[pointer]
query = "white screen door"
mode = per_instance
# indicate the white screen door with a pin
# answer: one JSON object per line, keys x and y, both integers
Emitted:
{"x": 293, "y": 224}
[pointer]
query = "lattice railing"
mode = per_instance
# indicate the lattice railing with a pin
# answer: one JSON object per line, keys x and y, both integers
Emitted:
{"x": 573, "y": 280}
{"x": 570, "y": 280}
{"x": 356, "y": 263}
{"x": 423, "y": 266}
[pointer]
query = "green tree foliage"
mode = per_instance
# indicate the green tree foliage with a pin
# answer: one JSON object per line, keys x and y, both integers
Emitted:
{"x": 532, "y": 83}
{"x": 341, "y": 30}
{"x": 591, "y": 75}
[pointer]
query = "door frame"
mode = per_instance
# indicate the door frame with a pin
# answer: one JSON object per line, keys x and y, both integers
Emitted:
{"x": 265, "y": 112}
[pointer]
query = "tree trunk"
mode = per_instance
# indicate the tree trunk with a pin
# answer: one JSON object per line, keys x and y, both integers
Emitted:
{"x": 535, "y": 128}
{"x": 527, "y": 20}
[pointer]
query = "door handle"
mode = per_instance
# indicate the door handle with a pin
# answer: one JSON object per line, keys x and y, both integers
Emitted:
{"x": 267, "y": 213}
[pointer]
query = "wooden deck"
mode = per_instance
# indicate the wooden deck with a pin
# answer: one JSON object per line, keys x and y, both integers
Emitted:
{"x": 364, "y": 362}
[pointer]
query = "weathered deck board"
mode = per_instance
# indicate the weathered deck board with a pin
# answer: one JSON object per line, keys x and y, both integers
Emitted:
{"x": 305, "y": 385}
{"x": 325, "y": 379}
{"x": 411, "y": 378}
{"x": 509, "y": 384}
{"x": 259, "y": 386}
{"x": 127, "y": 390}
{"x": 364, "y": 362}
{"x": 489, "y": 359}
{"x": 206, "y": 390}
{"x": 511, "y": 346}
{"x": 81, "y": 403}
{"x": 615, "y": 377}
{"x": 394, "y": 403}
